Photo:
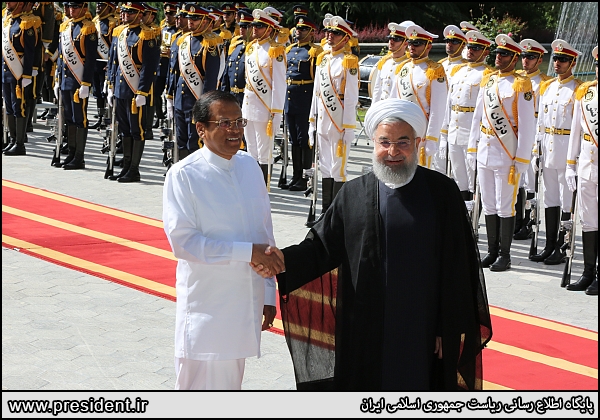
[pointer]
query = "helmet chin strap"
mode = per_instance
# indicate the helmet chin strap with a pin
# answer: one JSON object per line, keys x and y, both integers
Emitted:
{"x": 339, "y": 43}
{"x": 424, "y": 51}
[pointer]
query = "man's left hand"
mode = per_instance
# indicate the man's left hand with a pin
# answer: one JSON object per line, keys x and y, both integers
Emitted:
{"x": 438, "y": 347}
{"x": 269, "y": 313}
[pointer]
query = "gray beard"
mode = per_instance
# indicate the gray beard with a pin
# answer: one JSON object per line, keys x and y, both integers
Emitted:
{"x": 399, "y": 176}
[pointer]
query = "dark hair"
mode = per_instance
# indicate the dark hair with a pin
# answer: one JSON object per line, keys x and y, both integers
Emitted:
{"x": 201, "y": 109}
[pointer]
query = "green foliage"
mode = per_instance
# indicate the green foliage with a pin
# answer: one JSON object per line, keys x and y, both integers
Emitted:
{"x": 491, "y": 26}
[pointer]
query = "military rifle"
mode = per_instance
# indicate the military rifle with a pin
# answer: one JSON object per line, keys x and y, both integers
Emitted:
{"x": 284, "y": 151}
{"x": 5, "y": 133}
{"x": 569, "y": 245}
{"x": 169, "y": 149}
{"x": 475, "y": 211}
{"x": 535, "y": 217}
{"x": 58, "y": 130}
{"x": 313, "y": 175}
{"x": 112, "y": 128}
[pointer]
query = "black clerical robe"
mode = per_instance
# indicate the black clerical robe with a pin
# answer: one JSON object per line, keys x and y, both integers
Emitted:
{"x": 334, "y": 296}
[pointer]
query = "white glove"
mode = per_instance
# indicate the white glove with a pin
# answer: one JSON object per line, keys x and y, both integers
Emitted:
{"x": 140, "y": 100}
{"x": 521, "y": 167}
{"x": 348, "y": 135}
{"x": 25, "y": 83}
{"x": 170, "y": 108}
{"x": 311, "y": 133}
{"x": 84, "y": 92}
{"x": 472, "y": 160}
{"x": 430, "y": 147}
{"x": 34, "y": 73}
{"x": 571, "y": 178}
{"x": 105, "y": 87}
{"x": 443, "y": 146}
{"x": 534, "y": 165}
{"x": 109, "y": 97}
{"x": 56, "y": 89}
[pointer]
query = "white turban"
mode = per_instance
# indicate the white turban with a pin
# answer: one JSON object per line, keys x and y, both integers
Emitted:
{"x": 392, "y": 107}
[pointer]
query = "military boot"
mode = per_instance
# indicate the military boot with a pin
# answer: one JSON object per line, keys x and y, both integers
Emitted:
{"x": 133, "y": 174}
{"x": 12, "y": 132}
{"x": 520, "y": 209}
{"x": 492, "y": 228}
{"x": 526, "y": 230}
{"x": 326, "y": 198}
{"x": 78, "y": 161}
{"x": 590, "y": 254}
{"x": 552, "y": 225}
{"x": 559, "y": 255}
{"x": 507, "y": 229}
{"x": 265, "y": 171}
{"x": 72, "y": 145}
{"x": 337, "y": 186}
{"x": 297, "y": 169}
{"x": 127, "y": 145}
{"x": 18, "y": 149}
{"x": 306, "y": 155}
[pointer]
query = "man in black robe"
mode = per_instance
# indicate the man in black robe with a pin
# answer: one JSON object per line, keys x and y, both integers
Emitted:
{"x": 387, "y": 292}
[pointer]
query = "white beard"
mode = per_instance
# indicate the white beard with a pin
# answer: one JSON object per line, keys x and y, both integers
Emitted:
{"x": 395, "y": 177}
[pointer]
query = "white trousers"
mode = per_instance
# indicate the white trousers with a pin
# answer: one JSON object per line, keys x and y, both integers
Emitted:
{"x": 587, "y": 201}
{"x": 201, "y": 375}
{"x": 330, "y": 164}
{"x": 462, "y": 174}
{"x": 556, "y": 191}
{"x": 497, "y": 195}
{"x": 260, "y": 145}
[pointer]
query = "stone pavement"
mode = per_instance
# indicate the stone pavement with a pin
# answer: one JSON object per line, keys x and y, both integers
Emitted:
{"x": 65, "y": 330}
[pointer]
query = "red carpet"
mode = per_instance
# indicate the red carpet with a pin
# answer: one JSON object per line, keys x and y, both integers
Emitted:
{"x": 527, "y": 353}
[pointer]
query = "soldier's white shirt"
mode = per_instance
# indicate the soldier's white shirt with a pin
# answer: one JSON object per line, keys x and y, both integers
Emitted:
{"x": 345, "y": 83}
{"x": 434, "y": 107}
{"x": 272, "y": 73}
{"x": 536, "y": 78}
{"x": 384, "y": 79}
{"x": 586, "y": 150}
{"x": 449, "y": 63}
{"x": 490, "y": 151}
{"x": 462, "y": 97}
{"x": 555, "y": 111}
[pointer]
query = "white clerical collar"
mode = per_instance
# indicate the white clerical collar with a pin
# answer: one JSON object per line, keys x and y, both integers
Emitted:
{"x": 394, "y": 186}
{"x": 216, "y": 160}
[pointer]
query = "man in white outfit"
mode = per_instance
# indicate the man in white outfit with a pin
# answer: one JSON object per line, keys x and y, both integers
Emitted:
{"x": 217, "y": 217}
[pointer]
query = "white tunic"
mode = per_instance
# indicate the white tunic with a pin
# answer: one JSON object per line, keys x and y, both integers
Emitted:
{"x": 214, "y": 209}
{"x": 384, "y": 80}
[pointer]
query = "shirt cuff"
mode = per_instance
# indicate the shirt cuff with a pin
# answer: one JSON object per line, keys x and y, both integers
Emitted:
{"x": 242, "y": 251}
{"x": 270, "y": 295}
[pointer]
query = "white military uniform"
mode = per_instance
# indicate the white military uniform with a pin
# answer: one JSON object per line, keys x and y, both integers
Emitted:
{"x": 423, "y": 81}
{"x": 453, "y": 32}
{"x": 495, "y": 158}
{"x": 384, "y": 74}
{"x": 264, "y": 97}
{"x": 336, "y": 83}
{"x": 583, "y": 152}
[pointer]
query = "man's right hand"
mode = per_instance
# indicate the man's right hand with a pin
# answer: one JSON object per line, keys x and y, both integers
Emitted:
{"x": 266, "y": 260}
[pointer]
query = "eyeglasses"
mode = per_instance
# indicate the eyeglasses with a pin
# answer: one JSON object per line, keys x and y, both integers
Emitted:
{"x": 75, "y": 6}
{"x": 561, "y": 58}
{"x": 170, "y": 13}
{"x": 475, "y": 47}
{"x": 229, "y": 125}
{"x": 259, "y": 25}
{"x": 401, "y": 144}
{"x": 416, "y": 42}
{"x": 453, "y": 41}
{"x": 129, "y": 11}
{"x": 504, "y": 54}
{"x": 336, "y": 32}
{"x": 396, "y": 38}
{"x": 302, "y": 28}
{"x": 530, "y": 56}
{"x": 194, "y": 17}
{"x": 244, "y": 26}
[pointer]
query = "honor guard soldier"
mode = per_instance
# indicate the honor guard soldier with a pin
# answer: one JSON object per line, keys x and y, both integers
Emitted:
{"x": 531, "y": 59}
{"x": 149, "y": 20}
{"x": 28, "y": 10}
{"x": 218, "y": 17}
{"x": 456, "y": 41}
{"x": 466, "y": 27}
{"x": 197, "y": 62}
{"x": 74, "y": 77}
{"x": 50, "y": 58}
{"x": 300, "y": 77}
{"x": 297, "y": 10}
{"x": 105, "y": 23}
{"x": 555, "y": 115}
{"x": 333, "y": 109}
{"x": 500, "y": 146}
{"x": 137, "y": 57}
{"x": 234, "y": 76}
{"x": 230, "y": 22}
{"x": 283, "y": 34}
{"x": 423, "y": 81}
{"x": 18, "y": 49}
{"x": 383, "y": 76}
{"x": 264, "y": 97}
{"x": 181, "y": 23}
{"x": 168, "y": 30}
{"x": 464, "y": 81}
{"x": 583, "y": 148}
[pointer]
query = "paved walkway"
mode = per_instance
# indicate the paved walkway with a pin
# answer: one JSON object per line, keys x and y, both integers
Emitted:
{"x": 64, "y": 330}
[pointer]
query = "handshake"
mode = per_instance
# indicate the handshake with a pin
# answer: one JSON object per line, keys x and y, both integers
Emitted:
{"x": 267, "y": 260}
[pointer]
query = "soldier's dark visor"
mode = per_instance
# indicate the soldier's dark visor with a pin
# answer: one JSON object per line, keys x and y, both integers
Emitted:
{"x": 475, "y": 47}
{"x": 529, "y": 56}
{"x": 453, "y": 41}
{"x": 561, "y": 58}
{"x": 396, "y": 38}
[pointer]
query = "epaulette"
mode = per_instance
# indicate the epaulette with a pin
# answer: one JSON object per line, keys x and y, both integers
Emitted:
{"x": 399, "y": 66}
{"x": 522, "y": 84}
{"x": 211, "y": 40}
{"x": 456, "y": 68}
{"x": 117, "y": 31}
{"x": 350, "y": 61}
{"x": 30, "y": 21}
{"x": 283, "y": 35}
{"x": 583, "y": 88}
{"x": 112, "y": 23}
{"x": 486, "y": 77}
{"x": 235, "y": 41}
{"x": 276, "y": 50}
{"x": 157, "y": 30}
{"x": 315, "y": 50}
{"x": 323, "y": 41}
{"x": 225, "y": 34}
{"x": 146, "y": 33}
{"x": 289, "y": 47}
{"x": 88, "y": 15}
{"x": 545, "y": 77}
{"x": 442, "y": 60}
{"x": 521, "y": 72}
{"x": 434, "y": 70}
{"x": 544, "y": 85}
{"x": 88, "y": 28}
{"x": 383, "y": 59}
{"x": 64, "y": 25}
{"x": 320, "y": 56}
{"x": 353, "y": 42}
{"x": 180, "y": 39}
